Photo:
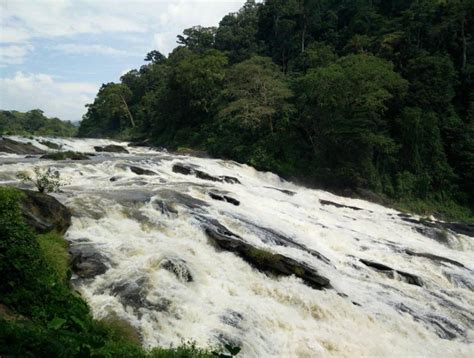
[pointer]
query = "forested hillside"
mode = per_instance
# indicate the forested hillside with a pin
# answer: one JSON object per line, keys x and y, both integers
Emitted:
{"x": 34, "y": 123}
{"x": 340, "y": 93}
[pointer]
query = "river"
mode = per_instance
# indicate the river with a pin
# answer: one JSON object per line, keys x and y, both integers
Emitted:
{"x": 420, "y": 302}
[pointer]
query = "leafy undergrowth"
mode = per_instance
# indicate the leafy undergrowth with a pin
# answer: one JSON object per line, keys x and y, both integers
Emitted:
{"x": 45, "y": 317}
{"x": 447, "y": 210}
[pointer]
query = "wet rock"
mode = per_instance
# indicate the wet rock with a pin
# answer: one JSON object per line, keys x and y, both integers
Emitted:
{"x": 287, "y": 192}
{"x": 459, "y": 280}
{"x": 337, "y": 205}
{"x": 178, "y": 267}
{"x": 50, "y": 144}
{"x": 443, "y": 328}
{"x": 43, "y": 213}
{"x": 223, "y": 197}
{"x": 86, "y": 261}
{"x": 182, "y": 169}
{"x": 434, "y": 257}
{"x": 141, "y": 171}
{"x": 8, "y": 145}
{"x": 142, "y": 143}
{"x": 460, "y": 228}
{"x": 164, "y": 207}
{"x": 172, "y": 197}
{"x": 188, "y": 170}
{"x": 228, "y": 179}
{"x": 261, "y": 259}
{"x": 232, "y": 318}
{"x": 111, "y": 148}
{"x": 438, "y": 230}
{"x": 390, "y": 272}
{"x": 114, "y": 179}
{"x": 270, "y": 236}
{"x": 131, "y": 293}
{"x": 128, "y": 196}
{"x": 65, "y": 156}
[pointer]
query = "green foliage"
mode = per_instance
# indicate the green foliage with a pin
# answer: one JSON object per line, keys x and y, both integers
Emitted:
{"x": 34, "y": 123}
{"x": 45, "y": 180}
{"x": 53, "y": 249}
{"x": 359, "y": 94}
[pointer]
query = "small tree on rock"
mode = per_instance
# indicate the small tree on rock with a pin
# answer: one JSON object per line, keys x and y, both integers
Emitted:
{"x": 45, "y": 180}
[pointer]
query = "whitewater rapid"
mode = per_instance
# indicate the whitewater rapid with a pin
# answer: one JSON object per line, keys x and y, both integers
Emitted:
{"x": 365, "y": 313}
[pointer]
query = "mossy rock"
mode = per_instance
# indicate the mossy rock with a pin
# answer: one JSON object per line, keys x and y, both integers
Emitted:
{"x": 50, "y": 144}
{"x": 65, "y": 156}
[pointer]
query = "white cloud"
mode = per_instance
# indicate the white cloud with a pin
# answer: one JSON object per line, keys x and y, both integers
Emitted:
{"x": 66, "y": 100}
{"x": 85, "y": 49}
{"x": 21, "y": 20}
{"x": 14, "y": 54}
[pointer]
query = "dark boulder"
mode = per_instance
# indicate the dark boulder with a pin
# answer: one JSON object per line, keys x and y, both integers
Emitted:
{"x": 223, "y": 197}
{"x": 8, "y": 145}
{"x": 178, "y": 267}
{"x": 44, "y": 213}
{"x": 86, "y": 261}
{"x": 142, "y": 143}
{"x": 438, "y": 229}
{"x": 270, "y": 236}
{"x": 165, "y": 208}
{"x": 111, "y": 148}
{"x": 392, "y": 273}
{"x": 171, "y": 197}
{"x": 261, "y": 259}
{"x": 65, "y": 156}
{"x": 141, "y": 171}
{"x": 337, "y": 205}
{"x": 188, "y": 170}
{"x": 284, "y": 191}
{"x": 434, "y": 257}
{"x": 131, "y": 293}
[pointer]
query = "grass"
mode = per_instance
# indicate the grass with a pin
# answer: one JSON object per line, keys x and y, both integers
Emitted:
{"x": 54, "y": 251}
{"x": 447, "y": 210}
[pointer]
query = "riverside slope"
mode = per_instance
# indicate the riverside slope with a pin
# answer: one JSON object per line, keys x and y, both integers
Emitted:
{"x": 398, "y": 287}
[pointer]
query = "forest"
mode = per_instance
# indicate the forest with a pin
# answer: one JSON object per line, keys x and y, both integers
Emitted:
{"x": 337, "y": 94}
{"x": 34, "y": 122}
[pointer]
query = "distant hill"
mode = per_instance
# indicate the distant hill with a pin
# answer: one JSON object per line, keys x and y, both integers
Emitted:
{"x": 34, "y": 122}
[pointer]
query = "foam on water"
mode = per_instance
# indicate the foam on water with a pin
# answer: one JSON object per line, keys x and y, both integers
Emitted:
{"x": 366, "y": 313}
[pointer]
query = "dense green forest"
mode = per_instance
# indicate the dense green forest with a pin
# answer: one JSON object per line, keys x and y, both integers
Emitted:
{"x": 34, "y": 123}
{"x": 338, "y": 93}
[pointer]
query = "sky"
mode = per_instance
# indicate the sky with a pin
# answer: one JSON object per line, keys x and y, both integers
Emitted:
{"x": 55, "y": 54}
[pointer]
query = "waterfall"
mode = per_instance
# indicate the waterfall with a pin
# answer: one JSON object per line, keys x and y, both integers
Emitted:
{"x": 399, "y": 285}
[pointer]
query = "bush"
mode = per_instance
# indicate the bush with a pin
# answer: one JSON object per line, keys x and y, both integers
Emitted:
{"x": 45, "y": 180}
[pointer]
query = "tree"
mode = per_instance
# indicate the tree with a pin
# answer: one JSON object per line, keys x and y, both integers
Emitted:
{"x": 198, "y": 38}
{"x": 109, "y": 112}
{"x": 255, "y": 94}
{"x": 45, "y": 180}
{"x": 343, "y": 109}
{"x": 236, "y": 34}
{"x": 155, "y": 57}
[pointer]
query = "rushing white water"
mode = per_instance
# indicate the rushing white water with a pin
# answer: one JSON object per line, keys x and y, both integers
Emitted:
{"x": 365, "y": 313}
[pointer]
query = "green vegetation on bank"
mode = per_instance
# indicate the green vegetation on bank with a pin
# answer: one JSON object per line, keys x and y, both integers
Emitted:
{"x": 339, "y": 94}
{"x": 40, "y": 316}
{"x": 34, "y": 123}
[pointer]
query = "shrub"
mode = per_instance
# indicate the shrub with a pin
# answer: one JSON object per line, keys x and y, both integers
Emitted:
{"x": 45, "y": 180}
